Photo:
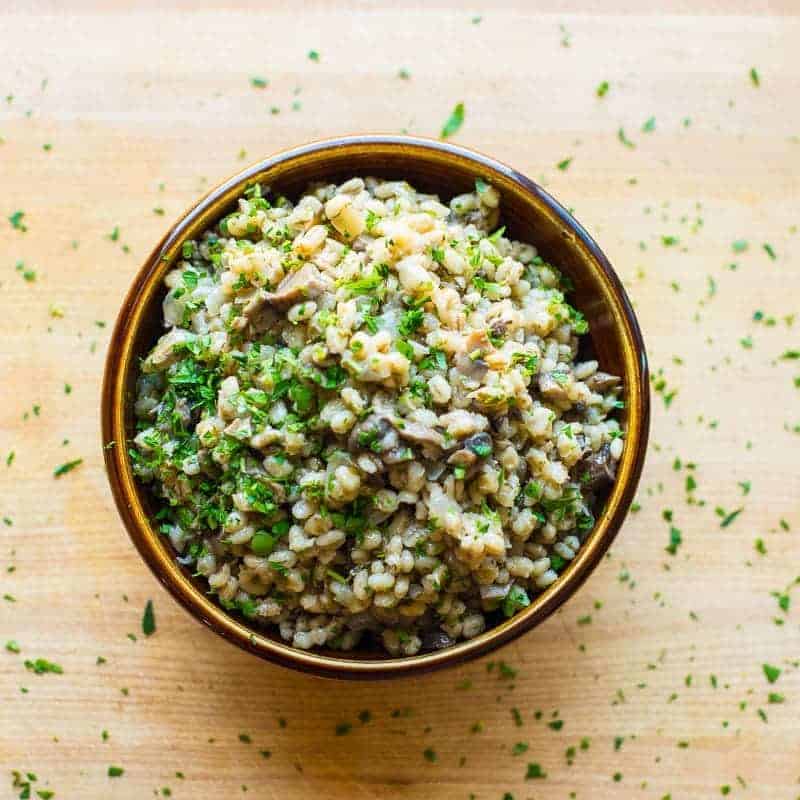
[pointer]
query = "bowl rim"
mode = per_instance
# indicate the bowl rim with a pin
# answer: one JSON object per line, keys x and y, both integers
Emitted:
{"x": 162, "y": 563}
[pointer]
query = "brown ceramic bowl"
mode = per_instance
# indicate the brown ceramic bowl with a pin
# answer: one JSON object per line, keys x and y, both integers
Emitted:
{"x": 531, "y": 215}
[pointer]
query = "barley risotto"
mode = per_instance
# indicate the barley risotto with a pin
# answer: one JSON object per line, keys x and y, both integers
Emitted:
{"x": 368, "y": 419}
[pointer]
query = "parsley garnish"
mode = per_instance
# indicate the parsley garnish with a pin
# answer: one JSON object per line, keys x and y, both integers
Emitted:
{"x": 149, "y": 619}
{"x": 453, "y": 122}
{"x": 67, "y": 467}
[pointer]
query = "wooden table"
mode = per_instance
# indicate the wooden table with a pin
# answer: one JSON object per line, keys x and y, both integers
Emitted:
{"x": 120, "y": 118}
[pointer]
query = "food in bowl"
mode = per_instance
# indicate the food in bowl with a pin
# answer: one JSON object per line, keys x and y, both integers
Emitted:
{"x": 369, "y": 417}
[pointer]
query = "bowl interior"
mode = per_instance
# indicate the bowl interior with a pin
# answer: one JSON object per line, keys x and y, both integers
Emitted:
{"x": 530, "y": 215}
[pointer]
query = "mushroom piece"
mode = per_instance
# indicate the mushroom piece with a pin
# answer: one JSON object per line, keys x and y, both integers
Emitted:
{"x": 597, "y": 469}
{"x": 418, "y": 433}
{"x": 473, "y": 368}
{"x": 304, "y": 284}
{"x": 480, "y": 444}
{"x": 602, "y": 382}
{"x": 435, "y": 640}
{"x": 462, "y": 458}
{"x": 375, "y": 434}
{"x": 551, "y": 389}
{"x": 166, "y": 352}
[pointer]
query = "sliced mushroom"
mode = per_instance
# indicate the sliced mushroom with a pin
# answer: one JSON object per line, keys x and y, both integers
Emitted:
{"x": 398, "y": 455}
{"x": 462, "y": 458}
{"x": 602, "y": 382}
{"x": 418, "y": 433}
{"x": 551, "y": 389}
{"x": 596, "y": 470}
{"x": 304, "y": 284}
{"x": 480, "y": 444}
{"x": 167, "y": 351}
{"x": 377, "y": 430}
{"x": 435, "y": 640}
{"x": 473, "y": 368}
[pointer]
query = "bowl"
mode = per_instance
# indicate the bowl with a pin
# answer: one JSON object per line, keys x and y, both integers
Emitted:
{"x": 530, "y": 214}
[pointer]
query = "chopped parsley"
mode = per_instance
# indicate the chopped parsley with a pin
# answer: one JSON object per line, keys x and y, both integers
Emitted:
{"x": 624, "y": 139}
{"x": 63, "y": 469}
{"x": 602, "y": 89}
{"x": 149, "y": 619}
{"x": 16, "y": 221}
{"x": 454, "y": 122}
{"x": 41, "y": 666}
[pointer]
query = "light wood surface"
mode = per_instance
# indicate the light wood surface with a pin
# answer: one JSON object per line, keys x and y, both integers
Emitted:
{"x": 146, "y": 109}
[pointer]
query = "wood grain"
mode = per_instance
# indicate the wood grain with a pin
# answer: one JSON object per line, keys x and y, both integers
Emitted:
{"x": 147, "y": 108}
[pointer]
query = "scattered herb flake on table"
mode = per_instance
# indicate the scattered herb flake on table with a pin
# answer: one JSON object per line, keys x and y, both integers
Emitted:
{"x": 771, "y": 673}
{"x": 16, "y": 221}
{"x": 149, "y": 619}
{"x": 63, "y": 469}
{"x": 649, "y": 126}
{"x": 564, "y": 165}
{"x": 755, "y": 78}
{"x": 602, "y": 89}
{"x": 624, "y": 139}
{"x": 258, "y": 82}
{"x": 453, "y": 122}
{"x": 41, "y": 666}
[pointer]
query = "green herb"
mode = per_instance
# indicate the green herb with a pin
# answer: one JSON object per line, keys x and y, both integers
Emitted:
{"x": 772, "y": 673}
{"x": 149, "y": 619}
{"x": 754, "y": 77}
{"x": 245, "y": 738}
{"x": 790, "y": 355}
{"x": 403, "y": 74}
{"x": 760, "y": 546}
{"x": 366, "y": 284}
{"x": 313, "y": 55}
{"x": 453, "y": 122}
{"x": 556, "y": 724}
{"x": 535, "y": 772}
{"x": 670, "y": 241}
{"x": 649, "y": 126}
{"x": 263, "y": 543}
{"x": 774, "y": 697}
{"x": 27, "y": 274}
{"x": 16, "y": 221}
{"x": 727, "y": 519}
{"x": 602, "y": 89}
{"x": 411, "y": 321}
{"x": 519, "y": 748}
{"x": 564, "y": 165}
{"x": 515, "y": 600}
{"x": 739, "y": 246}
{"x": 624, "y": 139}
{"x": 41, "y": 666}
{"x": 259, "y": 83}
{"x": 770, "y": 251}
{"x": 67, "y": 467}
{"x": 430, "y": 755}
{"x": 12, "y": 646}
{"x": 115, "y": 772}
